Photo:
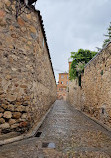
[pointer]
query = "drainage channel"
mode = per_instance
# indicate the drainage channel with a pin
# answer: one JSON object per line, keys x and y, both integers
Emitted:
{"x": 50, "y": 145}
{"x": 38, "y": 134}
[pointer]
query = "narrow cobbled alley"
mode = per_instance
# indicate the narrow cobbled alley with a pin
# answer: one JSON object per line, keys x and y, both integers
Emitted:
{"x": 66, "y": 132}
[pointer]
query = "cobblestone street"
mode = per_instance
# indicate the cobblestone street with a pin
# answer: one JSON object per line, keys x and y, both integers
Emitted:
{"x": 65, "y": 133}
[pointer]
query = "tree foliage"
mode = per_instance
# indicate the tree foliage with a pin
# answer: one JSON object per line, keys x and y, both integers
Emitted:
{"x": 80, "y": 59}
{"x": 108, "y": 39}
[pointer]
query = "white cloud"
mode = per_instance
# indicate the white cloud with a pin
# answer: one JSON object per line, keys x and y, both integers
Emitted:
{"x": 73, "y": 24}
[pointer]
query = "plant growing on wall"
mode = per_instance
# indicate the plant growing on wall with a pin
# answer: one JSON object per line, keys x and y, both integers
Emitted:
{"x": 108, "y": 39}
{"x": 79, "y": 60}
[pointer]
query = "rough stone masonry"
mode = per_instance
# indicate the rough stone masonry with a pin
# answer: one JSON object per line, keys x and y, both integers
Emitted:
{"x": 27, "y": 82}
{"x": 94, "y": 95}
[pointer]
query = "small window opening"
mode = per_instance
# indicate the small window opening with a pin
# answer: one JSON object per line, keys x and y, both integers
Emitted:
{"x": 79, "y": 80}
{"x": 103, "y": 110}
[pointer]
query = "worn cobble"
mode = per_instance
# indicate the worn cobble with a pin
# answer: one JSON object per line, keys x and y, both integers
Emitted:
{"x": 71, "y": 133}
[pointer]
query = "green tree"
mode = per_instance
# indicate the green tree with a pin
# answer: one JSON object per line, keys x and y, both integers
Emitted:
{"x": 79, "y": 60}
{"x": 108, "y": 39}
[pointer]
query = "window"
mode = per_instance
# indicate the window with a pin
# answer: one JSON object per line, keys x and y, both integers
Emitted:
{"x": 67, "y": 82}
{"x": 61, "y": 82}
{"x": 67, "y": 77}
{"x": 62, "y": 76}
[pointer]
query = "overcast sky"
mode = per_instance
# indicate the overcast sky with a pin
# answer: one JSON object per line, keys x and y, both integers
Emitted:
{"x": 73, "y": 24}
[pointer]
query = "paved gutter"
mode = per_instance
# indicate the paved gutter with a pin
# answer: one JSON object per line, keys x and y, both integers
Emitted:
{"x": 94, "y": 119}
{"x": 30, "y": 134}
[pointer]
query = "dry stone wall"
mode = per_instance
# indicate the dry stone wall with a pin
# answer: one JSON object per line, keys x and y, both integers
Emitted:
{"x": 27, "y": 82}
{"x": 94, "y": 95}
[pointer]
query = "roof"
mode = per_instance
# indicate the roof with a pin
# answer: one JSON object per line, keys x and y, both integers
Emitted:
{"x": 61, "y": 86}
{"x": 64, "y": 73}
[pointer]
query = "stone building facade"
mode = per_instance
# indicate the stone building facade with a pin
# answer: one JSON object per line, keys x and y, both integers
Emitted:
{"x": 94, "y": 95}
{"x": 62, "y": 85}
{"x": 27, "y": 81}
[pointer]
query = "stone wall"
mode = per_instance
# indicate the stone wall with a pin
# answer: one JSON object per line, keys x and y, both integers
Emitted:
{"x": 94, "y": 95}
{"x": 27, "y": 82}
{"x": 74, "y": 94}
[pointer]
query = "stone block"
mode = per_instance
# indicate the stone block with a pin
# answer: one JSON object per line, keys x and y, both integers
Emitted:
{"x": 1, "y": 92}
{"x": 33, "y": 29}
{"x": 23, "y": 29}
{"x": 28, "y": 16}
{"x": 16, "y": 115}
{"x": 7, "y": 114}
{"x": 29, "y": 43}
{"x": 11, "y": 97}
{"x": 34, "y": 36}
{"x": 14, "y": 35}
{"x": 12, "y": 121}
{"x": 16, "y": 84}
{"x": 14, "y": 125}
{"x": 20, "y": 108}
{"x": 1, "y": 114}
{"x": 21, "y": 22}
{"x": 27, "y": 98}
{"x": 23, "y": 86}
{"x": 18, "y": 103}
{"x": 1, "y": 5}
{"x": 7, "y": 3}
{"x": 8, "y": 77}
{"x": 109, "y": 113}
{"x": 13, "y": 7}
{"x": 1, "y": 109}
{"x": 10, "y": 107}
{"x": 4, "y": 126}
{"x": 2, "y": 13}
{"x": 23, "y": 124}
{"x": 2, "y": 22}
{"x": 0, "y": 79}
{"x": 24, "y": 116}
{"x": 2, "y": 121}
{"x": 4, "y": 106}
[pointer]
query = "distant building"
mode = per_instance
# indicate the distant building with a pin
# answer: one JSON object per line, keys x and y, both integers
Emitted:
{"x": 62, "y": 85}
